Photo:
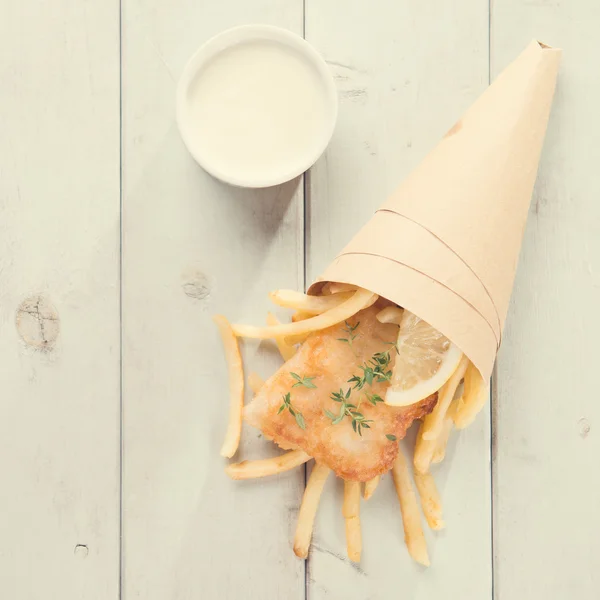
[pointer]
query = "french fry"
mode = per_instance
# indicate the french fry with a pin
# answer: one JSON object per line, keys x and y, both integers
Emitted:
{"x": 390, "y": 314}
{"x": 434, "y": 421}
{"x": 255, "y": 382}
{"x": 236, "y": 386}
{"x": 252, "y": 469}
{"x": 340, "y": 288}
{"x": 351, "y": 512}
{"x": 308, "y": 509}
{"x": 430, "y": 500}
{"x": 309, "y": 304}
{"x": 473, "y": 399}
{"x": 409, "y": 507}
{"x": 300, "y": 316}
{"x": 424, "y": 450}
{"x": 371, "y": 486}
{"x": 292, "y": 340}
{"x": 358, "y": 301}
{"x": 439, "y": 451}
{"x": 286, "y": 350}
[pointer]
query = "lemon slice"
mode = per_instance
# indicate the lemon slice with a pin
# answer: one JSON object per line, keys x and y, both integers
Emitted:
{"x": 425, "y": 361}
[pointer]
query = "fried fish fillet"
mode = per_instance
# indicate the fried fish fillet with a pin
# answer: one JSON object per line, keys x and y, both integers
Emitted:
{"x": 330, "y": 358}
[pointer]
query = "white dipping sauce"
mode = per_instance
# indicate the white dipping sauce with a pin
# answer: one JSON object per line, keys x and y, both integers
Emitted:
{"x": 255, "y": 109}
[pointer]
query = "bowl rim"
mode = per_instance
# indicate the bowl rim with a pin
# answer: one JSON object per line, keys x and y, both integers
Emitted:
{"x": 232, "y": 37}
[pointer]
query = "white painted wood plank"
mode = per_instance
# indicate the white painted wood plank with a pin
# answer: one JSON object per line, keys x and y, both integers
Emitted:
{"x": 193, "y": 247}
{"x": 59, "y": 262}
{"x": 406, "y": 71}
{"x": 547, "y": 486}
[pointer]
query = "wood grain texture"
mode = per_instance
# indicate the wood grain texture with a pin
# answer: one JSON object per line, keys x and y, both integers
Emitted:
{"x": 193, "y": 247}
{"x": 405, "y": 71}
{"x": 547, "y": 486}
{"x": 59, "y": 300}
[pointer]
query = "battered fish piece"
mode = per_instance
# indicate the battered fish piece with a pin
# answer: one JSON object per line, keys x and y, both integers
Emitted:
{"x": 331, "y": 357}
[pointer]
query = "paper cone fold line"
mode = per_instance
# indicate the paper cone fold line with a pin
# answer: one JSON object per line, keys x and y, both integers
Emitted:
{"x": 494, "y": 321}
{"x": 445, "y": 245}
{"x": 423, "y": 252}
{"x": 421, "y": 273}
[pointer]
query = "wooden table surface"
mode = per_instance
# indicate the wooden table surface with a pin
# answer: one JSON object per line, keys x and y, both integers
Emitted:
{"x": 116, "y": 249}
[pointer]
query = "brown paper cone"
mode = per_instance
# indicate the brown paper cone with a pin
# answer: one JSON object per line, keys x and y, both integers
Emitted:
{"x": 445, "y": 245}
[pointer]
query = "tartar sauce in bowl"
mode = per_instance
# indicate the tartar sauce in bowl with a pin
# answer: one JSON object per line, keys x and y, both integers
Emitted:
{"x": 256, "y": 106}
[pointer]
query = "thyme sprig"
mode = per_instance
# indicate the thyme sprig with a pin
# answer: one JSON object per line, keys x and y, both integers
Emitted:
{"x": 373, "y": 399}
{"x": 347, "y": 409}
{"x": 307, "y": 382}
{"x": 375, "y": 369}
{"x": 350, "y": 331}
{"x": 287, "y": 404}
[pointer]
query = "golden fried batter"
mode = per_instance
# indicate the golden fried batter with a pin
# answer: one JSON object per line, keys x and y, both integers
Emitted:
{"x": 332, "y": 362}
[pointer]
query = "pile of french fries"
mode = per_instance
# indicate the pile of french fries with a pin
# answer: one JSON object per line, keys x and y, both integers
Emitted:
{"x": 453, "y": 410}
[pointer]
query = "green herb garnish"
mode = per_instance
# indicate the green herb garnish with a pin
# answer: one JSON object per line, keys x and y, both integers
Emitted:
{"x": 373, "y": 398}
{"x": 348, "y": 409}
{"x": 287, "y": 403}
{"x": 303, "y": 381}
{"x": 350, "y": 330}
{"x": 375, "y": 369}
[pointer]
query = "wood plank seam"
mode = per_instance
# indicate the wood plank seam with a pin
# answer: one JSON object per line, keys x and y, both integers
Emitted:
{"x": 493, "y": 398}
{"x": 121, "y": 406}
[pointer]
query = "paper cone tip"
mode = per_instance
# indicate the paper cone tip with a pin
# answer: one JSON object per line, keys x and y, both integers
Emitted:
{"x": 445, "y": 245}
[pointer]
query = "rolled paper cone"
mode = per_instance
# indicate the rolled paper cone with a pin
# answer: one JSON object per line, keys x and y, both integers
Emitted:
{"x": 445, "y": 245}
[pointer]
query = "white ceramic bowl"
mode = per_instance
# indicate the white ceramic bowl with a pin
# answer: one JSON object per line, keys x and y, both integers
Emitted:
{"x": 256, "y": 106}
